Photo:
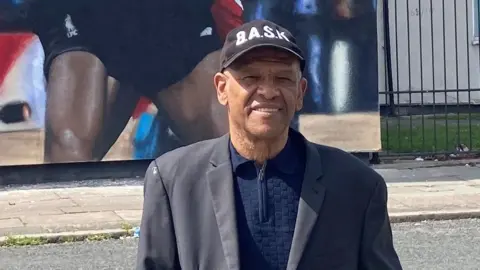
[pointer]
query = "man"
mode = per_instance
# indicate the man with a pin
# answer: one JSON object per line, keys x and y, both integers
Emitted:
{"x": 147, "y": 47}
{"x": 262, "y": 196}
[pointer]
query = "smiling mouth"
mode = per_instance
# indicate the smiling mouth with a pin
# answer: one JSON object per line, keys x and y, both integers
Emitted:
{"x": 267, "y": 110}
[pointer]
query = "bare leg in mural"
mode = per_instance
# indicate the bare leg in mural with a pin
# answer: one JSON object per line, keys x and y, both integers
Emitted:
{"x": 76, "y": 107}
{"x": 191, "y": 104}
{"x": 83, "y": 116}
{"x": 121, "y": 103}
{"x": 76, "y": 91}
{"x": 190, "y": 107}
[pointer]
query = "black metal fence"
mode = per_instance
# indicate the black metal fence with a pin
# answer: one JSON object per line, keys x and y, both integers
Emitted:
{"x": 430, "y": 101}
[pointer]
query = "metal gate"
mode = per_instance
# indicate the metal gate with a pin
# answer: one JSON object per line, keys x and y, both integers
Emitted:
{"x": 431, "y": 95}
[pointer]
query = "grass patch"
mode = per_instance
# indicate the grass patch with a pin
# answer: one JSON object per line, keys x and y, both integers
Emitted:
{"x": 11, "y": 241}
{"x": 430, "y": 134}
{"x": 24, "y": 241}
{"x": 98, "y": 237}
{"x": 127, "y": 227}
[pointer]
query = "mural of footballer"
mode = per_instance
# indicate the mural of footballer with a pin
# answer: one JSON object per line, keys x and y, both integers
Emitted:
{"x": 166, "y": 51}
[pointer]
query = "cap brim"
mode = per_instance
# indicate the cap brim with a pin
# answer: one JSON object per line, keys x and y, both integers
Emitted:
{"x": 239, "y": 54}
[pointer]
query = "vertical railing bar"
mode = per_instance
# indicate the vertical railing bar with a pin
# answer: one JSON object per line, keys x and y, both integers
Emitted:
{"x": 456, "y": 69}
{"x": 388, "y": 53}
{"x": 409, "y": 75}
{"x": 445, "y": 74}
{"x": 398, "y": 73}
{"x": 388, "y": 70}
{"x": 467, "y": 18}
{"x": 433, "y": 80}
{"x": 421, "y": 72}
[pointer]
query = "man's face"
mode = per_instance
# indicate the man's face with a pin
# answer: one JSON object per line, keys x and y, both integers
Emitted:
{"x": 262, "y": 91}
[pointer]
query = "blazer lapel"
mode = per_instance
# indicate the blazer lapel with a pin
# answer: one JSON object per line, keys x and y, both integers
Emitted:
{"x": 311, "y": 199}
{"x": 220, "y": 181}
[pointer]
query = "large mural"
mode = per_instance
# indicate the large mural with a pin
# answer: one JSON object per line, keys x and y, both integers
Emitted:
{"x": 86, "y": 80}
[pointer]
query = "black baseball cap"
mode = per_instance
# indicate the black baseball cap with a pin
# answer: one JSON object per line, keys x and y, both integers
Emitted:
{"x": 255, "y": 34}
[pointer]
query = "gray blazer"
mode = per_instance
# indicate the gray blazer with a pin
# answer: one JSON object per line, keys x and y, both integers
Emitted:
{"x": 189, "y": 221}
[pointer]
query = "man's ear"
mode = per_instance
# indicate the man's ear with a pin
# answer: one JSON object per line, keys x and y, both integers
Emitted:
{"x": 220, "y": 82}
{"x": 301, "y": 93}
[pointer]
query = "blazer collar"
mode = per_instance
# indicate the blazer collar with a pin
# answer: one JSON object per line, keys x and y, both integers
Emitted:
{"x": 311, "y": 200}
{"x": 220, "y": 183}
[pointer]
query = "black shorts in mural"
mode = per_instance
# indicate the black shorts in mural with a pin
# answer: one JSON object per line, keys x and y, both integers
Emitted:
{"x": 151, "y": 43}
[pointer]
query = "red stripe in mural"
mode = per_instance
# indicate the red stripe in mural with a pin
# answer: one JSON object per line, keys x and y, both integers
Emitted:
{"x": 12, "y": 45}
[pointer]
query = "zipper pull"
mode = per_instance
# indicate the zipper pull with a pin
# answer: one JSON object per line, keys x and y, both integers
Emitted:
{"x": 262, "y": 194}
{"x": 261, "y": 174}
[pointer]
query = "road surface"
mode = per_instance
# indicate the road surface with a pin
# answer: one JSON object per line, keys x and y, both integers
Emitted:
{"x": 442, "y": 245}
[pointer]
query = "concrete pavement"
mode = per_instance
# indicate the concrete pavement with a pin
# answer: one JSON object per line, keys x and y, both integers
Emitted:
{"x": 70, "y": 209}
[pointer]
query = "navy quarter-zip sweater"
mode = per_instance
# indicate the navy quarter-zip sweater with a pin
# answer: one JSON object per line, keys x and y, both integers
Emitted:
{"x": 266, "y": 200}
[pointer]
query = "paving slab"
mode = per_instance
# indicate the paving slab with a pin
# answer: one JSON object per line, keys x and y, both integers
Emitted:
{"x": 10, "y": 223}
